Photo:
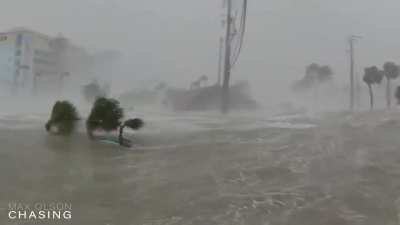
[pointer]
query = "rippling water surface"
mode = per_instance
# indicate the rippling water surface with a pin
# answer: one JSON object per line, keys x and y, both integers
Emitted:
{"x": 205, "y": 169}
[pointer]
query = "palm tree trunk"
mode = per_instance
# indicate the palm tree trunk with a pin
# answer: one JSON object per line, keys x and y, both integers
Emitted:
{"x": 121, "y": 132}
{"x": 371, "y": 96}
{"x": 388, "y": 94}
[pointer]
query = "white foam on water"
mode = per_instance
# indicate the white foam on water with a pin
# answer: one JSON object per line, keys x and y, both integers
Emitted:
{"x": 159, "y": 122}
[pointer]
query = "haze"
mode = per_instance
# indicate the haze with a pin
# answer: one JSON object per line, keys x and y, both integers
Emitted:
{"x": 152, "y": 138}
{"x": 177, "y": 40}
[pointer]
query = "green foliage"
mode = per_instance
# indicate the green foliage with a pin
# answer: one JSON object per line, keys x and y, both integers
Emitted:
{"x": 106, "y": 114}
{"x": 134, "y": 124}
{"x": 64, "y": 117}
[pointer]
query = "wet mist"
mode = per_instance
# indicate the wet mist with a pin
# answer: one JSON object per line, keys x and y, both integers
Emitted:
{"x": 177, "y": 41}
{"x": 288, "y": 152}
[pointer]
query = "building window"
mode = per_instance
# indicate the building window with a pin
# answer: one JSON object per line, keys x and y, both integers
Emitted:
{"x": 18, "y": 52}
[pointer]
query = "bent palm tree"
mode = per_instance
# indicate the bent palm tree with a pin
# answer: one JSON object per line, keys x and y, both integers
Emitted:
{"x": 391, "y": 71}
{"x": 63, "y": 118}
{"x": 106, "y": 115}
{"x": 372, "y": 75}
{"x": 134, "y": 124}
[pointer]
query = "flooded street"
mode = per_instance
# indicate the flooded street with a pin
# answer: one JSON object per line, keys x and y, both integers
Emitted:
{"x": 212, "y": 112}
{"x": 191, "y": 169}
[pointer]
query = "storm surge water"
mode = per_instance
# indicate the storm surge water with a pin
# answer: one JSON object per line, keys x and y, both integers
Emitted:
{"x": 204, "y": 168}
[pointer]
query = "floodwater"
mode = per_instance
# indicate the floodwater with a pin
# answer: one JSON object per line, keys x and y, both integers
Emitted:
{"x": 205, "y": 169}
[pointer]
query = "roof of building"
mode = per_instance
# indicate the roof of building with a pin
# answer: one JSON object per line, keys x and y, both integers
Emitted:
{"x": 23, "y": 29}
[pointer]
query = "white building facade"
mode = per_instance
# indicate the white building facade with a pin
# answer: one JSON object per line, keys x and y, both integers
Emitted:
{"x": 34, "y": 62}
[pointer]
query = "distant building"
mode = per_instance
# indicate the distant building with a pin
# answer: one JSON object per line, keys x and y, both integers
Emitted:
{"x": 32, "y": 62}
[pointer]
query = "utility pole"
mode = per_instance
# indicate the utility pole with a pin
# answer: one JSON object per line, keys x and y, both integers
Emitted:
{"x": 221, "y": 48}
{"x": 351, "y": 40}
{"x": 227, "y": 64}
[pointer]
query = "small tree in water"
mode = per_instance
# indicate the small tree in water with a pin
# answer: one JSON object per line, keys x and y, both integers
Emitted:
{"x": 106, "y": 115}
{"x": 134, "y": 124}
{"x": 372, "y": 75}
{"x": 63, "y": 118}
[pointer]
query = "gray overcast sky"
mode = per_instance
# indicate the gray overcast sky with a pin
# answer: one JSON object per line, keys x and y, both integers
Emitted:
{"x": 178, "y": 39}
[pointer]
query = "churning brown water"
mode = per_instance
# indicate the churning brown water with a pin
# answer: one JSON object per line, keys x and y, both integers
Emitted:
{"x": 197, "y": 170}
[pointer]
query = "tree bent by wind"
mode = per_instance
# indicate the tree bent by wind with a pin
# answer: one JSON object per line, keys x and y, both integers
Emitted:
{"x": 315, "y": 75}
{"x": 107, "y": 115}
{"x": 63, "y": 119}
{"x": 372, "y": 75}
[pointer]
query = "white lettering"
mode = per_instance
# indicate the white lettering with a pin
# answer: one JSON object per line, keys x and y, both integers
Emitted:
{"x": 12, "y": 215}
{"x": 22, "y": 214}
{"x": 67, "y": 215}
{"x": 42, "y": 215}
{"x": 32, "y": 215}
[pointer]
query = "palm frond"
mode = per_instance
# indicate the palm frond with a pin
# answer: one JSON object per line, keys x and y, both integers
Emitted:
{"x": 134, "y": 124}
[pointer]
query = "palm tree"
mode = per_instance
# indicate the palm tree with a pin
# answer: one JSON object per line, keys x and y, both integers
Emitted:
{"x": 372, "y": 75}
{"x": 106, "y": 115}
{"x": 63, "y": 118}
{"x": 134, "y": 124}
{"x": 391, "y": 71}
